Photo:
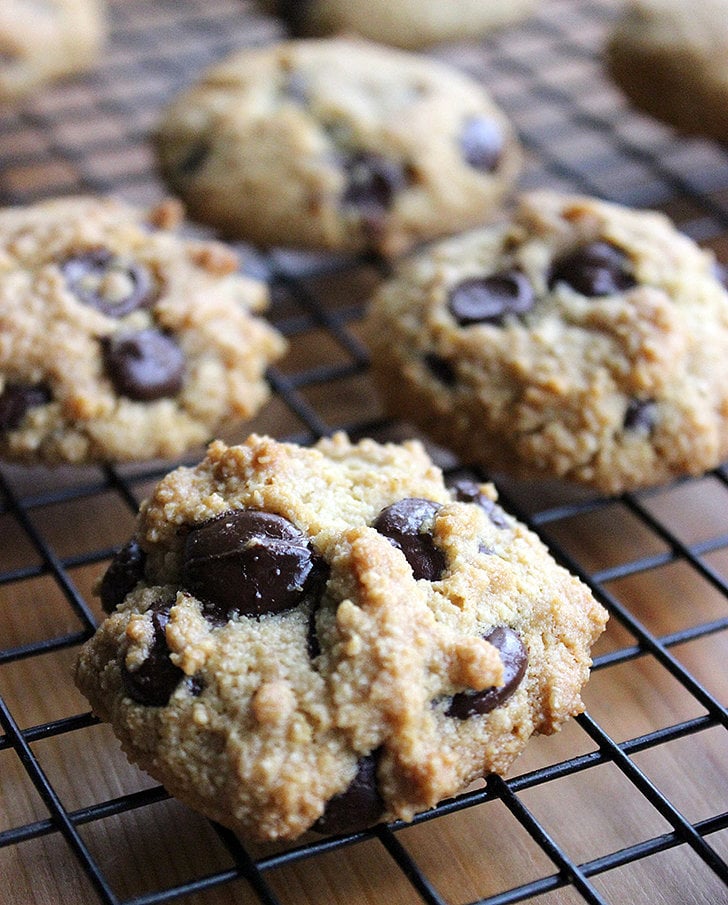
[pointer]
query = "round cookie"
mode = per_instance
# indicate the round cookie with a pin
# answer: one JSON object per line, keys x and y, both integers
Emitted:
{"x": 326, "y": 637}
{"x": 582, "y": 340}
{"x": 337, "y": 144}
{"x": 671, "y": 60}
{"x": 43, "y": 41}
{"x": 407, "y": 23}
{"x": 119, "y": 338}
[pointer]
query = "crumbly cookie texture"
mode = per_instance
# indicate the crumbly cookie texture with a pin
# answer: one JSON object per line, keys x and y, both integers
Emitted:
{"x": 337, "y": 144}
{"x": 119, "y": 338}
{"x": 40, "y": 42}
{"x": 329, "y": 636}
{"x": 671, "y": 60}
{"x": 581, "y": 340}
{"x": 407, "y": 23}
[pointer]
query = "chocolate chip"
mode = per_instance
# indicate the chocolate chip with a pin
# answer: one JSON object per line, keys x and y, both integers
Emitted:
{"x": 372, "y": 183}
{"x": 482, "y": 143}
{"x": 17, "y": 399}
{"x": 144, "y": 366}
{"x": 295, "y": 13}
{"x": 640, "y": 416}
{"x": 441, "y": 369}
{"x": 597, "y": 269}
{"x": 401, "y": 524}
{"x": 359, "y": 806}
{"x": 108, "y": 283}
{"x": 125, "y": 572}
{"x": 465, "y": 704}
{"x": 194, "y": 160}
{"x": 467, "y": 491}
{"x": 487, "y": 300}
{"x": 157, "y": 677}
{"x": 250, "y": 563}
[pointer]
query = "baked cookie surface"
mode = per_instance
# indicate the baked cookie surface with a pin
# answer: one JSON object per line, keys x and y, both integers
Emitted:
{"x": 119, "y": 338}
{"x": 407, "y": 23}
{"x": 671, "y": 60}
{"x": 326, "y": 637}
{"x": 337, "y": 144}
{"x": 40, "y": 42}
{"x": 581, "y": 340}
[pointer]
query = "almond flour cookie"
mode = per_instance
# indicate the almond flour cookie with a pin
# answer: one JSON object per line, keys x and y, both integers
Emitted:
{"x": 327, "y": 637}
{"x": 582, "y": 340}
{"x": 671, "y": 60}
{"x": 41, "y": 40}
{"x": 337, "y": 144}
{"x": 406, "y": 23}
{"x": 119, "y": 338}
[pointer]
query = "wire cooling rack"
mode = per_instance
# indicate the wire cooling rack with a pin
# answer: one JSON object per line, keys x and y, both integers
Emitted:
{"x": 629, "y": 803}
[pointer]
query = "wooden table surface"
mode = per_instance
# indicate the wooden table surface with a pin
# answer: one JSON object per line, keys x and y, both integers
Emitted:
{"x": 628, "y": 804}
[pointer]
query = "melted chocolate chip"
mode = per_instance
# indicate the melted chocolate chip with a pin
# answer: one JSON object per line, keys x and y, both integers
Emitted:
{"x": 153, "y": 683}
{"x": 481, "y": 143}
{"x": 359, "y": 806}
{"x": 144, "y": 366}
{"x": 467, "y": 491}
{"x": 465, "y": 704}
{"x": 125, "y": 571}
{"x": 105, "y": 282}
{"x": 372, "y": 183}
{"x": 487, "y": 300}
{"x": 249, "y": 563}
{"x": 295, "y": 13}
{"x": 640, "y": 416}
{"x": 17, "y": 399}
{"x": 597, "y": 269}
{"x": 441, "y": 369}
{"x": 401, "y": 524}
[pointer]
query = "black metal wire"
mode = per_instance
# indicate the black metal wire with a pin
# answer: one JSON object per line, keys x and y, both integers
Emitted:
{"x": 211, "y": 32}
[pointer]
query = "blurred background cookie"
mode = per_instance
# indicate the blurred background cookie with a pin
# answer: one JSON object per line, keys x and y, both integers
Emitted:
{"x": 671, "y": 60}
{"x": 43, "y": 41}
{"x": 337, "y": 144}
{"x": 403, "y": 23}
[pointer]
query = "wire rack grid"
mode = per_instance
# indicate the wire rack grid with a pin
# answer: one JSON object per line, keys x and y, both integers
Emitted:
{"x": 629, "y": 803}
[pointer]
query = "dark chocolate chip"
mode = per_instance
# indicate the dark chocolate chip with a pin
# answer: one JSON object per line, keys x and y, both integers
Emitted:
{"x": 195, "y": 685}
{"x": 125, "y": 572}
{"x": 401, "y": 523}
{"x": 145, "y": 365}
{"x": 194, "y": 159}
{"x": 250, "y": 563}
{"x": 596, "y": 269}
{"x": 465, "y": 704}
{"x": 640, "y": 416}
{"x": 17, "y": 399}
{"x": 487, "y": 300}
{"x": 157, "y": 677}
{"x": 372, "y": 183}
{"x": 88, "y": 277}
{"x": 467, "y": 491}
{"x": 295, "y": 14}
{"x": 441, "y": 369}
{"x": 359, "y": 806}
{"x": 482, "y": 143}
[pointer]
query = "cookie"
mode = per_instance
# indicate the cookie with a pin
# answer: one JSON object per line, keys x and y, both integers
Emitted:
{"x": 671, "y": 60}
{"x": 580, "y": 340}
{"x": 407, "y": 23}
{"x": 120, "y": 339}
{"x": 326, "y": 637}
{"x": 337, "y": 144}
{"x": 40, "y": 42}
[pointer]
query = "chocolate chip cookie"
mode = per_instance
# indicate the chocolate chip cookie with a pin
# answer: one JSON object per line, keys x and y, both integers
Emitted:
{"x": 119, "y": 338}
{"x": 671, "y": 60}
{"x": 337, "y": 144}
{"x": 325, "y": 637}
{"x": 41, "y": 41}
{"x": 581, "y": 340}
{"x": 406, "y": 23}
